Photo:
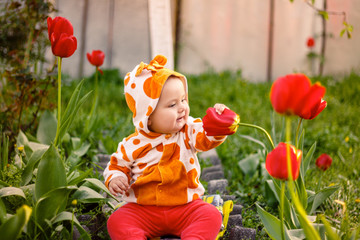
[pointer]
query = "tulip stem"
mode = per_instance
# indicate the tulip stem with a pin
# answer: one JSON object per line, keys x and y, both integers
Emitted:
{"x": 261, "y": 129}
{"x": 288, "y": 140}
{"x": 95, "y": 94}
{"x": 309, "y": 229}
{"x": 297, "y": 134}
{"x": 59, "y": 102}
{"x": 90, "y": 119}
{"x": 282, "y": 195}
{"x": 319, "y": 182}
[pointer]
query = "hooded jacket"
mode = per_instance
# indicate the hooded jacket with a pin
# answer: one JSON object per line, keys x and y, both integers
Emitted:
{"x": 162, "y": 169}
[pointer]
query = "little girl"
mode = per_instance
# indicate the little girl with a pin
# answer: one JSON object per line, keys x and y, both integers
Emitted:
{"x": 156, "y": 169}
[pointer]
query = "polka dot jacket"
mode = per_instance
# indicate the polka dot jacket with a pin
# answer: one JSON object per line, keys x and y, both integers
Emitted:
{"x": 163, "y": 169}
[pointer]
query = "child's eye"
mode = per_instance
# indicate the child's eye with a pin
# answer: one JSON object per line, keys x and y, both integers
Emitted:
{"x": 172, "y": 105}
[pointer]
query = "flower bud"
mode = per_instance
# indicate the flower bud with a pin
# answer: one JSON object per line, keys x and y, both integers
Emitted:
{"x": 96, "y": 58}
{"x": 323, "y": 162}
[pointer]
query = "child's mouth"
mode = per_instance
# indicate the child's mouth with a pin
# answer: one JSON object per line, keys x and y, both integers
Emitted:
{"x": 180, "y": 119}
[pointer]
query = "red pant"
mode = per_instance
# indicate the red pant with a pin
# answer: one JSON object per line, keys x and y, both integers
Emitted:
{"x": 195, "y": 220}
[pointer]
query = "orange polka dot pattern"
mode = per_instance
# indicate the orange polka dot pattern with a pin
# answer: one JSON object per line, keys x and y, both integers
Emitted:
{"x": 163, "y": 169}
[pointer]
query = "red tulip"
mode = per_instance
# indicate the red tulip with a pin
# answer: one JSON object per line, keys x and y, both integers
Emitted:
{"x": 63, "y": 43}
{"x": 220, "y": 124}
{"x": 96, "y": 58}
{"x": 323, "y": 162}
{"x": 59, "y": 25}
{"x": 293, "y": 94}
{"x": 276, "y": 162}
{"x": 310, "y": 42}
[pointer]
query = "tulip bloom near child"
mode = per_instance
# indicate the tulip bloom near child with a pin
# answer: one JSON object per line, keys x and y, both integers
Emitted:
{"x": 276, "y": 162}
{"x": 225, "y": 124}
{"x": 294, "y": 95}
{"x": 290, "y": 95}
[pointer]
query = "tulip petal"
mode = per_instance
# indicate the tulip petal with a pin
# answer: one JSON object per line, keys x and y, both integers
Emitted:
{"x": 279, "y": 95}
{"x": 63, "y": 26}
{"x": 300, "y": 85}
{"x": 49, "y": 24}
{"x": 311, "y": 101}
{"x": 286, "y": 92}
{"x": 88, "y": 55}
{"x": 65, "y": 46}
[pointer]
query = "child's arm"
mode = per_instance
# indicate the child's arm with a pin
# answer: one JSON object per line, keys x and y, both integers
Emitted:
{"x": 117, "y": 173}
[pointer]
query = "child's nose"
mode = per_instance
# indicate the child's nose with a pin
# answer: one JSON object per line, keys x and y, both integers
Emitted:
{"x": 182, "y": 107}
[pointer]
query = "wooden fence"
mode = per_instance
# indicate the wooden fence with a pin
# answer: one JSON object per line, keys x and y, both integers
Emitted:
{"x": 263, "y": 39}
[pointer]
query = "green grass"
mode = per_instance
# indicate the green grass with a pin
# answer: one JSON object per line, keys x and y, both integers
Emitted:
{"x": 336, "y": 132}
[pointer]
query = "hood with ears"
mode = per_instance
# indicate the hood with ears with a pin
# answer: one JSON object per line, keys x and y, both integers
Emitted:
{"x": 143, "y": 87}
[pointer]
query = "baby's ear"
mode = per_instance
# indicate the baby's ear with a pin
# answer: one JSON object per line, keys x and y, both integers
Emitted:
{"x": 149, "y": 122}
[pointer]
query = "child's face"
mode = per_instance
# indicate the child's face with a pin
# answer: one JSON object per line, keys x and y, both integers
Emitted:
{"x": 172, "y": 110}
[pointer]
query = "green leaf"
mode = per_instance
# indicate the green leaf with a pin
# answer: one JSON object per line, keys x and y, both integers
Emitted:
{"x": 72, "y": 108}
{"x": 27, "y": 174}
{"x": 296, "y": 234}
{"x": 253, "y": 140}
{"x": 12, "y": 228}
{"x": 300, "y": 185}
{"x": 51, "y": 173}
{"x": 272, "y": 224}
{"x": 3, "y": 184}
{"x": 46, "y": 131}
{"x": 249, "y": 164}
{"x": 330, "y": 233}
{"x": 50, "y": 204}
{"x": 34, "y": 146}
{"x": 11, "y": 191}
{"x": 74, "y": 178}
{"x": 82, "y": 150}
{"x": 30, "y": 188}
{"x": 99, "y": 185}
{"x": 289, "y": 212}
{"x": 304, "y": 166}
{"x": 22, "y": 140}
{"x": 87, "y": 195}
{"x": 68, "y": 216}
{"x": 324, "y": 14}
{"x": 4, "y": 151}
{"x": 342, "y": 32}
{"x": 316, "y": 200}
{"x": 2, "y": 212}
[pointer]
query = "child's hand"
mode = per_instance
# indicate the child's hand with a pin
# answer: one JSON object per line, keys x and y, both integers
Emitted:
{"x": 118, "y": 185}
{"x": 219, "y": 108}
